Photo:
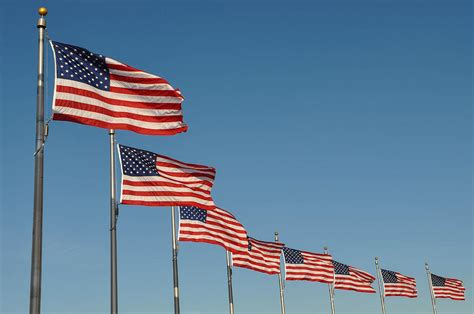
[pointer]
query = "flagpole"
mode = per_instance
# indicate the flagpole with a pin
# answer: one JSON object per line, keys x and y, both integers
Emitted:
{"x": 175, "y": 262}
{"x": 381, "y": 293}
{"x": 113, "y": 228}
{"x": 280, "y": 282}
{"x": 229, "y": 282}
{"x": 331, "y": 289}
{"x": 430, "y": 283}
{"x": 37, "y": 239}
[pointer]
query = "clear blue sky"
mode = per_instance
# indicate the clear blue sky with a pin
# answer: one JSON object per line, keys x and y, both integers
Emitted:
{"x": 338, "y": 123}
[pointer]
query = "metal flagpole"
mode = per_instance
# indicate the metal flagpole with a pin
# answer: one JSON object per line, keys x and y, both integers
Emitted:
{"x": 280, "y": 282}
{"x": 229, "y": 282}
{"x": 175, "y": 262}
{"x": 433, "y": 299}
{"x": 113, "y": 229}
{"x": 36, "y": 250}
{"x": 381, "y": 293}
{"x": 331, "y": 289}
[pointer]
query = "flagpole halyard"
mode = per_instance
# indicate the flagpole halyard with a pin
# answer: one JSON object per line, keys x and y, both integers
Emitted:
{"x": 430, "y": 283}
{"x": 379, "y": 281}
{"x": 229, "y": 282}
{"x": 175, "y": 262}
{"x": 280, "y": 283}
{"x": 37, "y": 238}
{"x": 331, "y": 290}
{"x": 113, "y": 229}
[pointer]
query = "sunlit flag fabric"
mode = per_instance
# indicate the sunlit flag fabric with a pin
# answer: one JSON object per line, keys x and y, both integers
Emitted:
{"x": 449, "y": 288}
{"x": 260, "y": 256}
{"x": 213, "y": 226}
{"x": 398, "y": 285}
{"x": 150, "y": 179}
{"x": 302, "y": 265}
{"x": 99, "y": 91}
{"x": 351, "y": 278}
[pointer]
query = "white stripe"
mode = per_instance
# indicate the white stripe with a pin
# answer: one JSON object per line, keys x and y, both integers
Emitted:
{"x": 133, "y": 74}
{"x": 117, "y": 108}
{"x": 158, "y": 179}
{"x": 133, "y": 85}
{"x": 184, "y": 180}
{"x": 119, "y": 96}
{"x": 109, "y": 119}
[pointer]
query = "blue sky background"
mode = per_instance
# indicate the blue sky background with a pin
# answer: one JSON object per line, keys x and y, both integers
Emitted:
{"x": 338, "y": 123}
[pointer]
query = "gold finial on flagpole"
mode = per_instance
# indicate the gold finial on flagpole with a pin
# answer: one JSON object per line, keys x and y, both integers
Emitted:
{"x": 43, "y": 11}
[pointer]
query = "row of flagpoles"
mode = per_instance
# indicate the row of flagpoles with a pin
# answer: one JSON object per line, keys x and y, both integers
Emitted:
{"x": 99, "y": 91}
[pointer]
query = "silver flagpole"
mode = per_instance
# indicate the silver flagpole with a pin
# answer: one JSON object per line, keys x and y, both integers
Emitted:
{"x": 331, "y": 289}
{"x": 379, "y": 277}
{"x": 280, "y": 282}
{"x": 36, "y": 249}
{"x": 175, "y": 262}
{"x": 229, "y": 282}
{"x": 113, "y": 229}
{"x": 430, "y": 283}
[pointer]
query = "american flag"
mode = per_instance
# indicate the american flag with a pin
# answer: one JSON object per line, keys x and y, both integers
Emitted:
{"x": 448, "y": 288}
{"x": 398, "y": 285}
{"x": 150, "y": 179}
{"x": 302, "y": 265}
{"x": 260, "y": 256}
{"x": 99, "y": 91}
{"x": 213, "y": 226}
{"x": 351, "y": 278}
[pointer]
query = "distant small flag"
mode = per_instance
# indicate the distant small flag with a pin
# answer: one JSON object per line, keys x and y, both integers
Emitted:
{"x": 398, "y": 285}
{"x": 150, "y": 179}
{"x": 260, "y": 256}
{"x": 213, "y": 226}
{"x": 302, "y": 265}
{"x": 351, "y": 278}
{"x": 99, "y": 91}
{"x": 448, "y": 288}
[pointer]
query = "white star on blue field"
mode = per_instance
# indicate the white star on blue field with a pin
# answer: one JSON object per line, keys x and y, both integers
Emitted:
{"x": 344, "y": 124}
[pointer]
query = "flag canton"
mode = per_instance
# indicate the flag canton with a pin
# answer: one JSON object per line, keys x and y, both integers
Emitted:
{"x": 250, "y": 243}
{"x": 438, "y": 281}
{"x": 340, "y": 269}
{"x": 137, "y": 162}
{"x": 81, "y": 65}
{"x": 293, "y": 256}
{"x": 193, "y": 213}
{"x": 389, "y": 276}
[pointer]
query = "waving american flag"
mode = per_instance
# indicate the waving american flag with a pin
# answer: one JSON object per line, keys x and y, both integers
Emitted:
{"x": 216, "y": 226}
{"x": 398, "y": 285}
{"x": 448, "y": 288}
{"x": 260, "y": 256}
{"x": 303, "y": 265}
{"x": 351, "y": 278}
{"x": 99, "y": 91}
{"x": 150, "y": 179}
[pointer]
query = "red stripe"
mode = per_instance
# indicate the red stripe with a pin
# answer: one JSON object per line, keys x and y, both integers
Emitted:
{"x": 145, "y": 92}
{"x": 119, "y": 126}
{"x": 187, "y": 174}
{"x": 117, "y": 102}
{"x": 221, "y": 228}
{"x": 141, "y": 80}
{"x": 165, "y": 184}
{"x": 122, "y": 67}
{"x": 167, "y": 203}
{"x": 117, "y": 114}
